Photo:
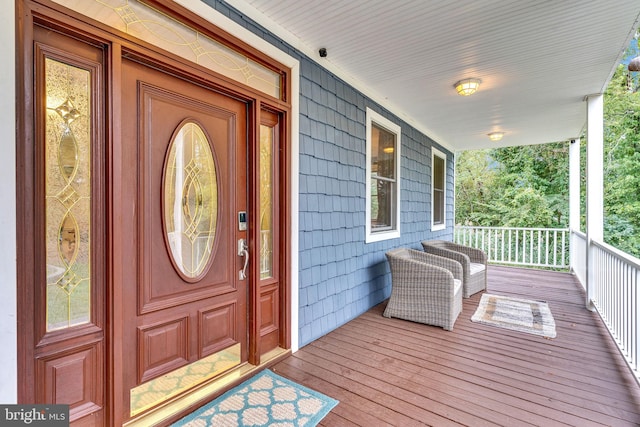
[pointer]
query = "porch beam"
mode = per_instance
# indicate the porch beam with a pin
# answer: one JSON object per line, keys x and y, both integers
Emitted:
{"x": 595, "y": 184}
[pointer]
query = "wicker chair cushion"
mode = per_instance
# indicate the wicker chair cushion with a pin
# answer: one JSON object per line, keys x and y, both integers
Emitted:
{"x": 475, "y": 267}
{"x": 457, "y": 284}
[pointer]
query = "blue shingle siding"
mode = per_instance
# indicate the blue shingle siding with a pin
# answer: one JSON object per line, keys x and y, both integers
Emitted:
{"x": 340, "y": 276}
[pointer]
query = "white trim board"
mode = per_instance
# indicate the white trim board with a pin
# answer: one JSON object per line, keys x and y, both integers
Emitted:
{"x": 8, "y": 278}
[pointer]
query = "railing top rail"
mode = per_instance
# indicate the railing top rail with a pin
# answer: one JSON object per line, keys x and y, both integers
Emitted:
{"x": 510, "y": 228}
{"x": 621, "y": 255}
{"x": 578, "y": 233}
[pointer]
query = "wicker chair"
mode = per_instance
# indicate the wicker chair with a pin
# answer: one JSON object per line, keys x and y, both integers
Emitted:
{"x": 473, "y": 261}
{"x": 425, "y": 288}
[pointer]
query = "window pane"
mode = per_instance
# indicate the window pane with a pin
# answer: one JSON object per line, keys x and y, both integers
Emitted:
{"x": 438, "y": 173}
{"x": 266, "y": 201}
{"x": 438, "y": 206}
{"x": 68, "y": 194}
{"x": 382, "y": 196}
{"x": 383, "y": 151}
{"x": 190, "y": 200}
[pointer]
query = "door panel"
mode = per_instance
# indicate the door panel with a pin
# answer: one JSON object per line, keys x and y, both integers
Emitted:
{"x": 161, "y": 113}
{"x": 170, "y": 318}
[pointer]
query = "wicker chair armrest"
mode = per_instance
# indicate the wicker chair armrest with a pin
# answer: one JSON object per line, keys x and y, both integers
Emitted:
{"x": 474, "y": 254}
{"x": 462, "y": 258}
{"x": 439, "y": 261}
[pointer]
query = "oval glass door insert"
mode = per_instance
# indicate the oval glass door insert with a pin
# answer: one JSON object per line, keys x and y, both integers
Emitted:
{"x": 190, "y": 201}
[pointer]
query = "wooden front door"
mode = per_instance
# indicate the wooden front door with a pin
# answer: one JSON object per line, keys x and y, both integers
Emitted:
{"x": 182, "y": 288}
{"x": 140, "y": 175}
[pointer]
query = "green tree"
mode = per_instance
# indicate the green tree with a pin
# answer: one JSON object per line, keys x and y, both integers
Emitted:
{"x": 513, "y": 186}
{"x": 475, "y": 188}
{"x": 622, "y": 163}
{"x": 543, "y": 172}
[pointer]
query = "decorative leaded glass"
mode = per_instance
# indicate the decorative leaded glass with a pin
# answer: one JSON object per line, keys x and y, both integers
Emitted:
{"x": 190, "y": 200}
{"x": 266, "y": 201}
{"x": 151, "y": 25}
{"x": 68, "y": 194}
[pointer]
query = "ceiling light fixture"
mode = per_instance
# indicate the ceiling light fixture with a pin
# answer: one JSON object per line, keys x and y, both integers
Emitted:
{"x": 496, "y": 136}
{"x": 467, "y": 87}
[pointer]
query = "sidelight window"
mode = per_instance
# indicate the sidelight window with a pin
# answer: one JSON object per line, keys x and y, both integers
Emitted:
{"x": 68, "y": 194}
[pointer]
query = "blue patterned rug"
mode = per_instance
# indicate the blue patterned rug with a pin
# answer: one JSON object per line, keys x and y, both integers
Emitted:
{"x": 266, "y": 399}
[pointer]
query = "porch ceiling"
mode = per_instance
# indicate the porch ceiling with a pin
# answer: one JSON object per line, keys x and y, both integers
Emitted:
{"x": 537, "y": 59}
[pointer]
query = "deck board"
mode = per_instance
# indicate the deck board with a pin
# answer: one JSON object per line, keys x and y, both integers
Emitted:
{"x": 393, "y": 372}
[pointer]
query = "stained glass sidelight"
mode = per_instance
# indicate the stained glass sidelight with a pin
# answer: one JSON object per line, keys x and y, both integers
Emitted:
{"x": 266, "y": 201}
{"x": 190, "y": 200}
{"x": 67, "y": 194}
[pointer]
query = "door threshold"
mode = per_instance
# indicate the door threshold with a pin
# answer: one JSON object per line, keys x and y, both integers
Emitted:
{"x": 168, "y": 411}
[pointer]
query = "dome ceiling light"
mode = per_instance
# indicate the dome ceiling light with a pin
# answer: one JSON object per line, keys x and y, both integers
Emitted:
{"x": 495, "y": 136}
{"x": 467, "y": 87}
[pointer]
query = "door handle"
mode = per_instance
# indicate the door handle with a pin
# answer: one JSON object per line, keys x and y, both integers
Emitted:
{"x": 243, "y": 251}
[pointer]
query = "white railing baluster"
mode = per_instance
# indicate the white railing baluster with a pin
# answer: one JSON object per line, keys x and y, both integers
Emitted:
{"x": 564, "y": 246}
{"x": 531, "y": 247}
{"x": 539, "y": 232}
{"x": 546, "y": 247}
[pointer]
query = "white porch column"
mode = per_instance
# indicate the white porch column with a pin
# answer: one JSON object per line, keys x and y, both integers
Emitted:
{"x": 574, "y": 184}
{"x": 576, "y": 257}
{"x": 595, "y": 183}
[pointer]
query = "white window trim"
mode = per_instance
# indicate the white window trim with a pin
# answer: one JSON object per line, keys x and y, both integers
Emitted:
{"x": 437, "y": 227}
{"x": 373, "y": 117}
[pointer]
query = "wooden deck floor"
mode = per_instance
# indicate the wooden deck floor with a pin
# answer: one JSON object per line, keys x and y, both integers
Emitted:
{"x": 393, "y": 372}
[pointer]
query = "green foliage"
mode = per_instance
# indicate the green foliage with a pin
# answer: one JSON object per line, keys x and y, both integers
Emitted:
{"x": 622, "y": 164}
{"x": 525, "y": 206}
{"x": 475, "y": 188}
{"x": 513, "y": 186}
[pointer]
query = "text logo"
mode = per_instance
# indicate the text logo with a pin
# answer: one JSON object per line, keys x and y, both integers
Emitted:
{"x": 34, "y": 415}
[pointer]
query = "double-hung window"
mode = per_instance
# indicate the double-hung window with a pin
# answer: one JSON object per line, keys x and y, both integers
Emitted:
{"x": 383, "y": 178}
{"x": 438, "y": 189}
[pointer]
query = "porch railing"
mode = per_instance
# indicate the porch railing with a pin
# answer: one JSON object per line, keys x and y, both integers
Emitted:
{"x": 529, "y": 247}
{"x": 615, "y": 295}
{"x": 579, "y": 256}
